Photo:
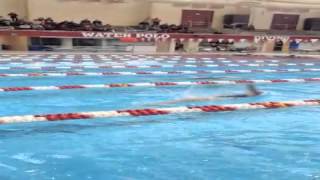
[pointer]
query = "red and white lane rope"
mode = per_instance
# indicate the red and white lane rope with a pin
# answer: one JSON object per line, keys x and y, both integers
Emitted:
{"x": 156, "y": 111}
{"x": 125, "y": 73}
{"x": 76, "y": 63}
{"x": 125, "y": 60}
{"x": 172, "y": 58}
{"x": 28, "y": 60}
{"x": 156, "y": 84}
{"x": 106, "y": 63}
{"x": 124, "y": 57}
{"x": 75, "y": 66}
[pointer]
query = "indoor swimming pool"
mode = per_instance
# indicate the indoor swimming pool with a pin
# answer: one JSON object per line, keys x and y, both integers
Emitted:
{"x": 104, "y": 116}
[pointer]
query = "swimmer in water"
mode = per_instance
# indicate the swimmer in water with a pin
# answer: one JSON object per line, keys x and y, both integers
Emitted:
{"x": 213, "y": 78}
{"x": 251, "y": 92}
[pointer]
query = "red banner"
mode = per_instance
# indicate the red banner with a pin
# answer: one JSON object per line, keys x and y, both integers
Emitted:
{"x": 149, "y": 36}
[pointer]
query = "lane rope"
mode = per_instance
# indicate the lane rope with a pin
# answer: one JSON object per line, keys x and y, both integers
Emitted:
{"x": 8, "y": 60}
{"x": 156, "y": 111}
{"x": 126, "y": 73}
{"x": 127, "y": 56}
{"x": 110, "y": 66}
{"x": 123, "y": 58}
{"x": 156, "y": 84}
{"x": 128, "y": 59}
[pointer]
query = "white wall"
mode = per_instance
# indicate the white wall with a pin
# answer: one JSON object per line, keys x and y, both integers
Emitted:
{"x": 261, "y": 18}
{"x": 133, "y": 12}
{"x": 17, "y": 6}
{"x": 311, "y": 14}
{"x": 166, "y": 12}
{"x": 113, "y": 13}
{"x": 171, "y": 14}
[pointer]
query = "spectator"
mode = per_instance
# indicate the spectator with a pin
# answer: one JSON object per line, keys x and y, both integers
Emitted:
{"x": 164, "y": 28}
{"x": 294, "y": 45}
{"x": 144, "y": 25}
{"x": 97, "y": 25}
{"x": 173, "y": 28}
{"x": 4, "y": 22}
{"x": 179, "y": 46}
{"x": 108, "y": 28}
{"x": 49, "y": 24}
{"x": 278, "y": 45}
{"x": 22, "y": 24}
{"x": 86, "y": 25}
{"x": 38, "y": 24}
{"x": 13, "y": 16}
{"x": 68, "y": 26}
{"x": 155, "y": 22}
{"x": 251, "y": 28}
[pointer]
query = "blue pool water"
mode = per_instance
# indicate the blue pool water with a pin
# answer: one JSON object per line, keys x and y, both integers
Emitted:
{"x": 255, "y": 144}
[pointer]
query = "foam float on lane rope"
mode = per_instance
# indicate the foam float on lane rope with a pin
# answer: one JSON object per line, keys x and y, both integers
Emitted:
{"x": 156, "y": 111}
{"x": 125, "y": 73}
{"x": 156, "y": 84}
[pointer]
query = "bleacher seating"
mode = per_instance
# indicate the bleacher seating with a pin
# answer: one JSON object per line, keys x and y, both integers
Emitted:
{"x": 87, "y": 25}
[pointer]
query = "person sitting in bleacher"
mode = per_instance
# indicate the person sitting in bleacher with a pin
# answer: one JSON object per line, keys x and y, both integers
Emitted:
{"x": 144, "y": 25}
{"x": 155, "y": 22}
{"x": 49, "y": 24}
{"x": 68, "y": 26}
{"x": 97, "y": 25}
{"x": 4, "y": 22}
{"x": 13, "y": 16}
{"x": 86, "y": 25}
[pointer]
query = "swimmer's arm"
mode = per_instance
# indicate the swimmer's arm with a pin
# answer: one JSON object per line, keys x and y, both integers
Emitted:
{"x": 190, "y": 99}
